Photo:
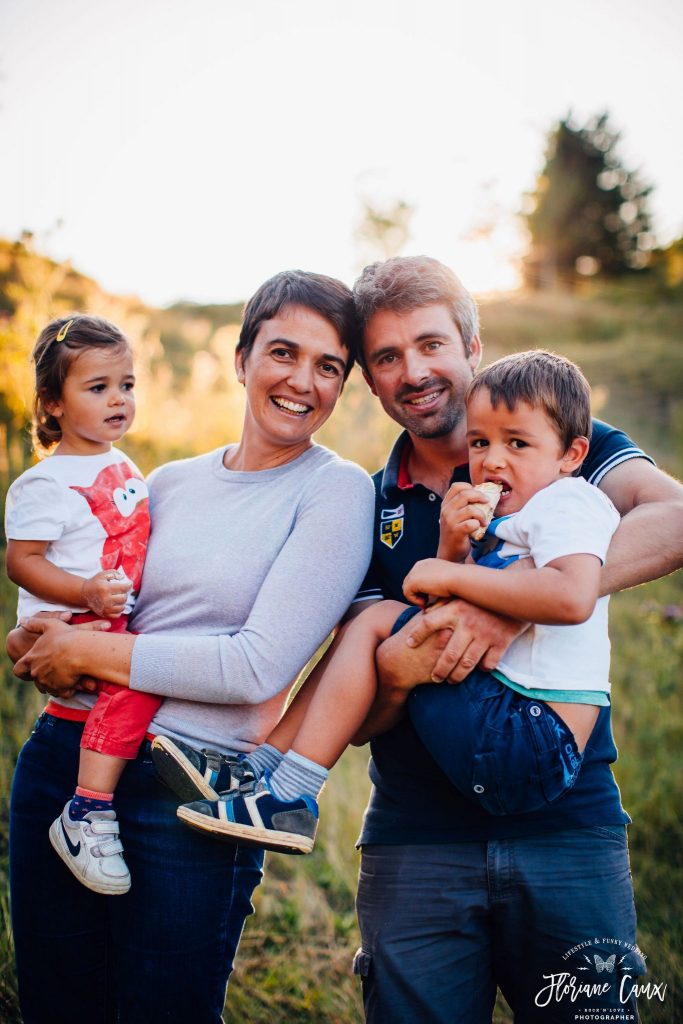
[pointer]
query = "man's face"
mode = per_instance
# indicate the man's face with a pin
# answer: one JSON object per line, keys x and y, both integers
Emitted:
{"x": 418, "y": 369}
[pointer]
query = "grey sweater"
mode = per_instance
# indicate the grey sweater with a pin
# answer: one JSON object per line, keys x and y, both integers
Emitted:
{"x": 246, "y": 574}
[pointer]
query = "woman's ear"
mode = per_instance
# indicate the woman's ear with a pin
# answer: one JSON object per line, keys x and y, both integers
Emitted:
{"x": 239, "y": 366}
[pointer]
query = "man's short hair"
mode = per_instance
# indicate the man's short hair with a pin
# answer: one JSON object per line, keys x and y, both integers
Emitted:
{"x": 541, "y": 379}
{"x": 404, "y": 283}
{"x": 327, "y": 296}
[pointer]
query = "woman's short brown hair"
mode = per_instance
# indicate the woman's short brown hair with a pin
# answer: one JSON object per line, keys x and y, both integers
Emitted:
{"x": 327, "y": 296}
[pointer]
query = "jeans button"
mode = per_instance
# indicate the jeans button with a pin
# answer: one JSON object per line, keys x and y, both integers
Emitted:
{"x": 478, "y": 788}
{"x": 534, "y": 710}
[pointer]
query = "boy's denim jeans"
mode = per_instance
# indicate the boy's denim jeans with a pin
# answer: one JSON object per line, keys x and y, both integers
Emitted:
{"x": 162, "y": 952}
{"x": 441, "y": 926}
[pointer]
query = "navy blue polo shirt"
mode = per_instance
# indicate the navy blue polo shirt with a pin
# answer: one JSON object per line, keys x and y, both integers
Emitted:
{"x": 412, "y": 801}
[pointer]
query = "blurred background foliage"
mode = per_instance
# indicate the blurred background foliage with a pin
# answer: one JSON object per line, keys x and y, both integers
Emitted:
{"x": 621, "y": 318}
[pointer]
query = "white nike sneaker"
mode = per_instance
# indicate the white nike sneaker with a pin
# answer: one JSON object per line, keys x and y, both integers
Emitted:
{"x": 91, "y": 849}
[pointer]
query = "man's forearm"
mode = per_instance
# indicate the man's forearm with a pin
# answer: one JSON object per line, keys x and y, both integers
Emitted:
{"x": 647, "y": 545}
{"x": 649, "y": 541}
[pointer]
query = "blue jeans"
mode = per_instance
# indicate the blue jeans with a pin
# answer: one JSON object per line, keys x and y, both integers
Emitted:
{"x": 504, "y": 751}
{"x": 442, "y": 925}
{"x": 162, "y": 952}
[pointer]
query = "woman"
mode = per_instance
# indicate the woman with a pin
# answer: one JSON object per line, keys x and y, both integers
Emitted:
{"x": 256, "y": 551}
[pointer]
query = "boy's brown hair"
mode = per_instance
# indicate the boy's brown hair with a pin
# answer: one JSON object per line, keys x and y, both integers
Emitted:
{"x": 541, "y": 379}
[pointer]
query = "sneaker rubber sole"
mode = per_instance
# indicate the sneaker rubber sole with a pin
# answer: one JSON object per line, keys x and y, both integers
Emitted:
{"x": 59, "y": 846}
{"x": 247, "y": 835}
{"x": 180, "y": 774}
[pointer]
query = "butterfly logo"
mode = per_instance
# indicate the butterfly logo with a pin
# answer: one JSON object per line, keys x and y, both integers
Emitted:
{"x": 604, "y": 965}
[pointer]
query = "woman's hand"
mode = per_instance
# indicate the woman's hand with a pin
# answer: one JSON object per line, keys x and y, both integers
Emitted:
{"x": 462, "y": 514}
{"x": 51, "y": 659}
{"x": 19, "y": 640}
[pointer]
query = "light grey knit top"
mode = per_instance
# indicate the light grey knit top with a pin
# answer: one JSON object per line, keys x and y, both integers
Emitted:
{"x": 246, "y": 574}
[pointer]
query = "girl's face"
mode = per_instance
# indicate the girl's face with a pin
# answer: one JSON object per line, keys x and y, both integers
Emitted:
{"x": 293, "y": 376}
{"x": 519, "y": 449}
{"x": 97, "y": 404}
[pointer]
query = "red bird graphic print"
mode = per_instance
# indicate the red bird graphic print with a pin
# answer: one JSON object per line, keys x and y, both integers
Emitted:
{"x": 120, "y": 501}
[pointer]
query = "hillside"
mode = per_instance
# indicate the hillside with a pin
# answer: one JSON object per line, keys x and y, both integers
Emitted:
{"x": 295, "y": 959}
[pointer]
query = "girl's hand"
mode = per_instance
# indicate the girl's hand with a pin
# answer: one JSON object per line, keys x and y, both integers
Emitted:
{"x": 106, "y": 593}
{"x": 461, "y": 516}
{"x": 432, "y": 577}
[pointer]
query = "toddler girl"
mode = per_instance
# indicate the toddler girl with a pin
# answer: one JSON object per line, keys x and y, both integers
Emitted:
{"x": 77, "y": 526}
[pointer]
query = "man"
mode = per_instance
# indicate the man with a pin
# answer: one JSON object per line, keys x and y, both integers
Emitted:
{"x": 453, "y": 902}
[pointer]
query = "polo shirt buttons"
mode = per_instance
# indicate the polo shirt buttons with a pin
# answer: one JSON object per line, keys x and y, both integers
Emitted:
{"x": 478, "y": 789}
{"x": 534, "y": 710}
{"x": 432, "y": 497}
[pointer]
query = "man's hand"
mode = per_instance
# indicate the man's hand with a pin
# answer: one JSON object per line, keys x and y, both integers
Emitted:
{"x": 399, "y": 670}
{"x": 478, "y": 639}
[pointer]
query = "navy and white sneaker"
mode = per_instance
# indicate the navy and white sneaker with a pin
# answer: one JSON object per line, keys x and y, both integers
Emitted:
{"x": 253, "y": 816}
{"x": 91, "y": 849}
{"x": 197, "y": 774}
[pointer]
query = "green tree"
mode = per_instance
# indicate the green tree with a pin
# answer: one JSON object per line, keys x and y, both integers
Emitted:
{"x": 588, "y": 214}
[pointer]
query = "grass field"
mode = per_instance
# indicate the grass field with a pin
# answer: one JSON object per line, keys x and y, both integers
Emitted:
{"x": 295, "y": 959}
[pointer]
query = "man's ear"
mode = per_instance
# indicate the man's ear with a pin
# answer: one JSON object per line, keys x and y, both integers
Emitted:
{"x": 368, "y": 380}
{"x": 476, "y": 350}
{"x": 575, "y": 455}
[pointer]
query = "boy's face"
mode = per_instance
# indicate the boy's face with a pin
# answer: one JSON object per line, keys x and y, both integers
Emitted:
{"x": 520, "y": 450}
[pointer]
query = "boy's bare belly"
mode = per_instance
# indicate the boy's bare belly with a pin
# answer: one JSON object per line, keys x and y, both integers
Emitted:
{"x": 579, "y": 717}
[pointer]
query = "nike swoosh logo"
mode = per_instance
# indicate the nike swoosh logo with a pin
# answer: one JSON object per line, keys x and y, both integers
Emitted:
{"x": 73, "y": 850}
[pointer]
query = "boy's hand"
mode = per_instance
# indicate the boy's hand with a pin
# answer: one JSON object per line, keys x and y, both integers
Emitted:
{"x": 432, "y": 577}
{"x": 106, "y": 593}
{"x": 462, "y": 514}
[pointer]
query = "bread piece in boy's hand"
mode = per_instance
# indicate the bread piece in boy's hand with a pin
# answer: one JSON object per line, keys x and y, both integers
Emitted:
{"x": 491, "y": 492}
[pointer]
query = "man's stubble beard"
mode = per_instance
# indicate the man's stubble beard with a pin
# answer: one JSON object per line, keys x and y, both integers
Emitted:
{"x": 439, "y": 424}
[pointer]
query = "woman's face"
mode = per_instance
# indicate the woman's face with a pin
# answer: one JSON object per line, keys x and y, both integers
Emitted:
{"x": 293, "y": 375}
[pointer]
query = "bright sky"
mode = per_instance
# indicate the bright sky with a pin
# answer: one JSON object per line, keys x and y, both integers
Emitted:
{"x": 175, "y": 150}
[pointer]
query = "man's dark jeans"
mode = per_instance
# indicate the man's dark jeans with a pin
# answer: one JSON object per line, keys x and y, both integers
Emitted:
{"x": 441, "y": 925}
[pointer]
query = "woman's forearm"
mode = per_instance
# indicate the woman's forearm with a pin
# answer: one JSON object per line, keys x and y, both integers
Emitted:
{"x": 61, "y": 655}
{"x": 104, "y": 655}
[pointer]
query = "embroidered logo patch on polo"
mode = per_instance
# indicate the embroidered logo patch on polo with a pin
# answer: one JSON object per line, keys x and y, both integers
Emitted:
{"x": 391, "y": 525}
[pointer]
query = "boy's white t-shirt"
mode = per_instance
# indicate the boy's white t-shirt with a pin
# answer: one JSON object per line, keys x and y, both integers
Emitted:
{"x": 569, "y": 517}
{"x": 93, "y": 511}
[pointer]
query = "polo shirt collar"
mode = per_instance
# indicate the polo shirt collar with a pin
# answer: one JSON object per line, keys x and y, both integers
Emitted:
{"x": 395, "y": 473}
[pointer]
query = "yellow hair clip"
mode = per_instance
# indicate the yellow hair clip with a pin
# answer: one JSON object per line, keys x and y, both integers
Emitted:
{"x": 63, "y": 331}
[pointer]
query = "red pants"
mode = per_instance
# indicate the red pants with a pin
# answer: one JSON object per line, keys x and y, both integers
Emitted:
{"x": 119, "y": 721}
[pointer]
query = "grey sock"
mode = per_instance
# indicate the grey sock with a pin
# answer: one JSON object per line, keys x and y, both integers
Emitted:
{"x": 264, "y": 759}
{"x": 297, "y": 776}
